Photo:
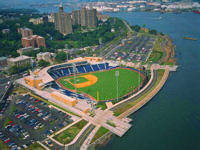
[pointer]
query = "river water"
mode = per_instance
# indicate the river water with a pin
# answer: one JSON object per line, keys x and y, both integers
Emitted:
{"x": 171, "y": 120}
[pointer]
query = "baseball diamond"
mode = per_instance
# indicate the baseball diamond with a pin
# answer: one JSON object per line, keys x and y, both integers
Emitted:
{"x": 104, "y": 83}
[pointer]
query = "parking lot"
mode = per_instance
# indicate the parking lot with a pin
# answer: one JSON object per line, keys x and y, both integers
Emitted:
{"x": 27, "y": 120}
{"x": 135, "y": 49}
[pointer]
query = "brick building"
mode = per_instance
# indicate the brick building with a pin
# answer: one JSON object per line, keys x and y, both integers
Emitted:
{"x": 33, "y": 41}
{"x": 25, "y": 32}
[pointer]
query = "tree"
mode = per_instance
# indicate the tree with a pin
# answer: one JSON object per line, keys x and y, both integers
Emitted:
{"x": 162, "y": 34}
{"x": 153, "y": 32}
{"x": 43, "y": 63}
{"x": 32, "y": 53}
{"x": 18, "y": 69}
{"x": 14, "y": 54}
{"x": 61, "y": 56}
{"x": 136, "y": 28}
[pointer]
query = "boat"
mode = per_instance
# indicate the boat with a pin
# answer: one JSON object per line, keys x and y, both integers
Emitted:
{"x": 189, "y": 38}
{"x": 196, "y": 11}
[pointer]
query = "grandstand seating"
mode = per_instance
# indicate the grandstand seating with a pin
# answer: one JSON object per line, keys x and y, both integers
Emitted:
{"x": 102, "y": 66}
{"x": 95, "y": 67}
{"x": 66, "y": 71}
{"x": 57, "y": 72}
{"x": 107, "y": 65}
{"x": 80, "y": 69}
{"x": 71, "y": 70}
{"x": 88, "y": 68}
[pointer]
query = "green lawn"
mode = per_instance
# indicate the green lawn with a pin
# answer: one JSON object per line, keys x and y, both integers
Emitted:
{"x": 35, "y": 146}
{"x": 3, "y": 146}
{"x": 101, "y": 131}
{"x": 106, "y": 84}
{"x": 7, "y": 120}
{"x": 69, "y": 134}
{"x": 155, "y": 56}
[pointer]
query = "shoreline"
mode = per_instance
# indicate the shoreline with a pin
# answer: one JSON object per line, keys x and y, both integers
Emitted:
{"x": 134, "y": 108}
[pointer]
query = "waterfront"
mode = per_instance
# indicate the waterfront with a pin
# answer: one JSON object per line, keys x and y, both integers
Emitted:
{"x": 171, "y": 120}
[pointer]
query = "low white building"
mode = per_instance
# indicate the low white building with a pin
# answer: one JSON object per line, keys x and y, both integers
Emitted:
{"x": 19, "y": 61}
{"x": 21, "y": 51}
{"x": 46, "y": 56}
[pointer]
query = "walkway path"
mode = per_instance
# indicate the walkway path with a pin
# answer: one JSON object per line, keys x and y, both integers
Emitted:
{"x": 43, "y": 145}
{"x": 148, "y": 97}
{"x": 134, "y": 95}
{"x": 127, "y": 25}
{"x": 89, "y": 138}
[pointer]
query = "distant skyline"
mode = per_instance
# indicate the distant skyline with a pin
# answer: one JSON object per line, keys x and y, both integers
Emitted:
{"x": 28, "y": 3}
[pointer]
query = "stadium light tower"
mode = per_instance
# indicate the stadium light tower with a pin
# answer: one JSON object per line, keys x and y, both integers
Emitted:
{"x": 74, "y": 70}
{"x": 117, "y": 81}
{"x": 138, "y": 69}
{"x": 139, "y": 78}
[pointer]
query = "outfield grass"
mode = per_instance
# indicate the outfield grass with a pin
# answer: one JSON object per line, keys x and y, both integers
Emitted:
{"x": 107, "y": 85}
{"x": 69, "y": 134}
{"x": 127, "y": 106}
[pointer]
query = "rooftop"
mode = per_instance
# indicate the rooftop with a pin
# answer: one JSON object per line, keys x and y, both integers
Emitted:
{"x": 3, "y": 58}
{"x": 63, "y": 96}
{"x": 19, "y": 58}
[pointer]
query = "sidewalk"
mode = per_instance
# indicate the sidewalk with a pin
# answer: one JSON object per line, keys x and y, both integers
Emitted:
{"x": 148, "y": 97}
{"x": 89, "y": 138}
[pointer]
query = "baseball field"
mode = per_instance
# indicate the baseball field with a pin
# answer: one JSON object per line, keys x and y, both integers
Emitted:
{"x": 102, "y": 85}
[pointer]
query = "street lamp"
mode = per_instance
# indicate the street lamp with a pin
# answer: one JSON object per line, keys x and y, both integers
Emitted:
{"x": 117, "y": 83}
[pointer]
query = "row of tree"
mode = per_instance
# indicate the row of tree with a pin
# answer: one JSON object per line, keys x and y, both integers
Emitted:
{"x": 137, "y": 28}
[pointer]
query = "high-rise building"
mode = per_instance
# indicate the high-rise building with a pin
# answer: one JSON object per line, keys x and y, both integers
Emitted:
{"x": 88, "y": 17}
{"x": 76, "y": 17}
{"x": 40, "y": 41}
{"x": 63, "y": 21}
{"x": 84, "y": 17}
{"x": 92, "y": 18}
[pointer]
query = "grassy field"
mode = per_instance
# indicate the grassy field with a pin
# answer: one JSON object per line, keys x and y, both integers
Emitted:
{"x": 69, "y": 134}
{"x": 3, "y": 146}
{"x": 106, "y": 84}
{"x": 122, "y": 109}
{"x": 101, "y": 131}
{"x": 157, "y": 52}
{"x": 35, "y": 146}
{"x": 155, "y": 56}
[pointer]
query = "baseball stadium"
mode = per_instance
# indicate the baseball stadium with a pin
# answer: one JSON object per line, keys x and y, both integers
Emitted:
{"x": 87, "y": 80}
